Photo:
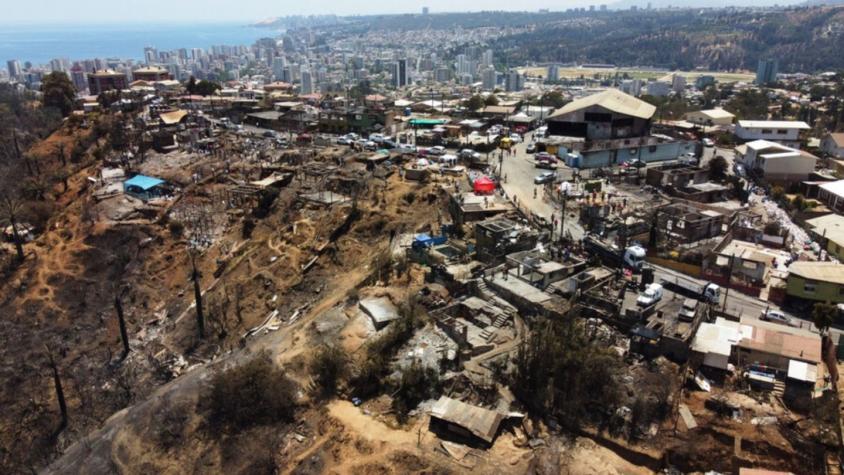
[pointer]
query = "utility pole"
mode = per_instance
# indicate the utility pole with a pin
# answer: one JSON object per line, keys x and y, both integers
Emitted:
{"x": 118, "y": 307}
{"x": 729, "y": 279}
{"x": 563, "y": 215}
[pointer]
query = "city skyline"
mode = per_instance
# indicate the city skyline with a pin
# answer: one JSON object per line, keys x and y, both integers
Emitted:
{"x": 247, "y": 11}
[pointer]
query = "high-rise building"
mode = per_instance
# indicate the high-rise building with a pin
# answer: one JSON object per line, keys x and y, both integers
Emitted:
{"x": 15, "y": 70}
{"x": 486, "y": 58}
{"x": 107, "y": 80}
{"x": 442, "y": 74}
{"x": 400, "y": 74}
{"x": 553, "y": 73}
{"x": 307, "y": 86}
{"x": 425, "y": 10}
{"x": 59, "y": 65}
{"x": 150, "y": 55}
{"x": 78, "y": 77}
{"x": 514, "y": 81}
{"x": 489, "y": 78}
{"x": 678, "y": 83}
{"x": 279, "y": 64}
{"x": 767, "y": 71}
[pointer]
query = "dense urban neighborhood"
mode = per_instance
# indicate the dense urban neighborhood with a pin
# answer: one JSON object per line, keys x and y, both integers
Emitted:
{"x": 373, "y": 245}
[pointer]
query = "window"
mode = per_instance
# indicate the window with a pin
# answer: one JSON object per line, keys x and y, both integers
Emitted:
{"x": 840, "y": 290}
{"x": 809, "y": 287}
{"x": 597, "y": 117}
{"x": 767, "y": 131}
{"x": 782, "y": 131}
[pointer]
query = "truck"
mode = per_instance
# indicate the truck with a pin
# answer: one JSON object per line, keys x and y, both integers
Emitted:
{"x": 651, "y": 295}
{"x": 708, "y": 292}
{"x": 633, "y": 257}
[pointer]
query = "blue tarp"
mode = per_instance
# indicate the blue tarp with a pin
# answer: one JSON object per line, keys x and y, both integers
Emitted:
{"x": 143, "y": 182}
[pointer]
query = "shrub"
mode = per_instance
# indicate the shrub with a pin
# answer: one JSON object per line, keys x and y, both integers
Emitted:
{"x": 254, "y": 393}
{"x": 248, "y": 227}
{"x": 176, "y": 228}
{"x": 328, "y": 368}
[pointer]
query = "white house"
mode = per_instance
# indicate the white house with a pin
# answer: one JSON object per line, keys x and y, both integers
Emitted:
{"x": 775, "y": 162}
{"x": 710, "y": 117}
{"x": 786, "y": 132}
{"x": 833, "y": 145}
{"x": 832, "y": 194}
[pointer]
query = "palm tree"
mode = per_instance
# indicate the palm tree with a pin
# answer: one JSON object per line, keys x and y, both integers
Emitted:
{"x": 10, "y": 209}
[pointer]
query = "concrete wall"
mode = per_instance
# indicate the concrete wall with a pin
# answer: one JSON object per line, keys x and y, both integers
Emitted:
{"x": 775, "y": 135}
{"x": 824, "y": 291}
{"x": 648, "y": 153}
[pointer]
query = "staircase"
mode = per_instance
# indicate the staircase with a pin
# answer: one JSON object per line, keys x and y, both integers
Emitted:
{"x": 500, "y": 320}
{"x": 488, "y": 334}
{"x": 779, "y": 388}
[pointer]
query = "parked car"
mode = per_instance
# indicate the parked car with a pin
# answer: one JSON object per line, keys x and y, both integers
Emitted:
{"x": 531, "y": 147}
{"x": 344, "y": 140}
{"x": 541, "y": 131}
{"x": 708, "y": 142}
{"x": 543, "y": 178}
{"x": 548, "y": 165}
{"x": 469, "y": 154}
{"x": 688, "y": 159}
{"x": 775, "y": 316}
{"x": 515, "y": 138}
{"x": 387, "y": 143}
{"x": 636, "y": 163}
{"x": 377, "y": 138}
{"x": 436, "y": 150}
{"x": 651, "y": 295}
{"x": 270, "y": 134}
{"x": 370, "y": 145}
{"x": 545, "y": 156}
{"x": 406, "y": 148}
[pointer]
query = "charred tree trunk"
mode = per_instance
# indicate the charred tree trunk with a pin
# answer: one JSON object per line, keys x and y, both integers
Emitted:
{"x": 197, "y": 293}
{"x": 17, "y": 238}
{"x": 18, "y": 153}
{"x": 57, "y": 382}
{"x": 123, "y": 336}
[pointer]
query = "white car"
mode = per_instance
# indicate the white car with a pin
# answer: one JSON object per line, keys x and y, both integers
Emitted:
{"x": 775, "y": 316}
{"x": 406, "y": 148}
{"x": 707, "y": 142}
{"x": 515, "y": 138}
{"x": 437, "y": 150}
{"x": 651, "y": 295}
{"x": 343, "y": 140}
{"x": 377, "y": 138}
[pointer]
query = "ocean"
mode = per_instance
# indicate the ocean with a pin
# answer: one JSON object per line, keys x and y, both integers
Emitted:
{"x": 41, "y": 43}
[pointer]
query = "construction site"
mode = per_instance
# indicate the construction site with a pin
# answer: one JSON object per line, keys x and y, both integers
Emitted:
{"x": 423, "y": 325}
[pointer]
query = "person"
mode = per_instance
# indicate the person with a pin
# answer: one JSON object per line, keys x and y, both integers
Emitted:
{"x": 534, "y": 192}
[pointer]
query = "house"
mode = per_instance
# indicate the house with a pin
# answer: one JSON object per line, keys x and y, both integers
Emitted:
{"x": 683, "y": 223}
{"x": 610, "y": 128}
{"x": 775, "y": 162}
{"x": 833, "y": 145}
{"x": 816, "y": 281}
{"x": 710, "y": 117}
{"x": 497, "y": 237}
{"x": 465, "y": 420}
{"x": 145, "y": 187}
{"x": 713, "y": 343}
{"x": 828, "y": 230}
{"x": 151, "y": 74}
{"x": 751, "y": 263}
{"x": 106, "y": 80}
{"x": 610, "y": 114}
{"x": 832, "y": 195}
{"x": 774, "y": 346}
{"x": 686, "y": 182}
{"x": 786, "y": 132}
{"x": 381, "y": 310}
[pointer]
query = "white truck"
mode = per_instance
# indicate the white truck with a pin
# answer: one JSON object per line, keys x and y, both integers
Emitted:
{"x": 708, "y": 292}
{"x": 632, "y": 258}
{"x": 651, "y": 295}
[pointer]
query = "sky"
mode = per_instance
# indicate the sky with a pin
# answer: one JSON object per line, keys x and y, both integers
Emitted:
{"x": 181, "y": 11}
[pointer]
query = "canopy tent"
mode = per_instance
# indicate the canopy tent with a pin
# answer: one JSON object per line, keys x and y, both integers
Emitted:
{"x": 483, "y": 185}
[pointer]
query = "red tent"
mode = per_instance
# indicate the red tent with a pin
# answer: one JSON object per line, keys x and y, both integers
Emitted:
{"x": 484, "y": 185}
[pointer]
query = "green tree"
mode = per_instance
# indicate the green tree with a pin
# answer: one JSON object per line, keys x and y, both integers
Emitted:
{"x": 749, "y": 104}
{"x": 491, "y": 100}
{"x": 58, "y": 92}
{"x": 206, "y": 88}
{"x": 823, "y": 315}
{"x": 475, "y": 102}
{"x": 191, "y": 86}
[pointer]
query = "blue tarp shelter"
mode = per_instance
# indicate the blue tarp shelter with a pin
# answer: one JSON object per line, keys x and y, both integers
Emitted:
{"x": 143, "y": 186}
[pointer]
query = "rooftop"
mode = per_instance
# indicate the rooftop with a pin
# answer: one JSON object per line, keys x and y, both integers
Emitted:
{"x": 774, "y": 124}
{"x": 481, "y": 422}
{"x": 611, "y": 99}
{"x": 143, "y": 182}
{"x": 832, "y": 272}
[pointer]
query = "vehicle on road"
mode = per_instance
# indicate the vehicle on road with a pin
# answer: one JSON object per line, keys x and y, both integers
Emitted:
{"x": 775, "y": 316}
{"x": 406, "y": 148}
{"x": 515, "y": 138}
{"x": 436, "y": 150}
{"x": 688, "y": 159}
{"x": 651, "y": 295}
{"x": 469, "y": 154}
{"x": 370, "y": 145}
{"x": 708, "y": 292}
{"x": 270, "y": 134}
{"x": 545, "y": 160}
{"x": 377, "y": 138}
{"x": 531, "y": 147}
{"x": 708, "y": 142}
{"x": 632, "y": 257}
{"x": 304, "y": 138}
{"x": 541, "y": 131}
{"x": 543, "y": 178}
{"x": 738, "y": 169}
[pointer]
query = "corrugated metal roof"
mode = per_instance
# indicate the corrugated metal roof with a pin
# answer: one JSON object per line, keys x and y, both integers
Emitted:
{"x": 820, "y": 271}
{"x": 143, "y": 182}
{"x": 611, "y": 99}
{"x": 774, "y": 124}
{"x": 481, "y": 422}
